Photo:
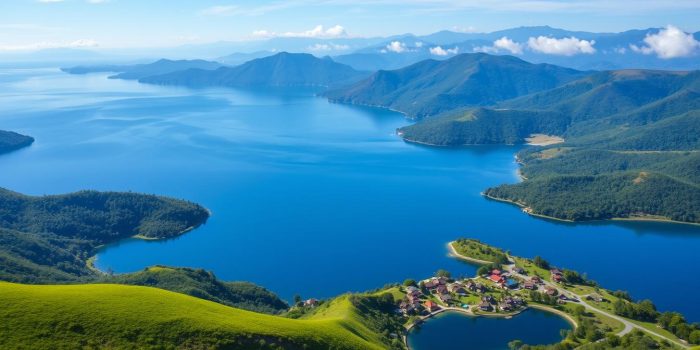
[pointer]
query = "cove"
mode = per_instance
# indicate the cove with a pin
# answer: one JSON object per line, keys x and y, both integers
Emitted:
{"x": 452, "y": 330}
{"x": 307, "y": 196}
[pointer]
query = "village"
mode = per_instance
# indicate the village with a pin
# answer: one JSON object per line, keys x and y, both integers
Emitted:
{"x": 496, "y": 293}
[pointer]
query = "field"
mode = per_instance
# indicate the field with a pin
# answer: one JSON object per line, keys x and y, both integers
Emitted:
{"x": 116, "y": 316}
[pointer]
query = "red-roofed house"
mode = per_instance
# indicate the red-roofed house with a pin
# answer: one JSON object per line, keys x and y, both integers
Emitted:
{"x": 431, "y": 306}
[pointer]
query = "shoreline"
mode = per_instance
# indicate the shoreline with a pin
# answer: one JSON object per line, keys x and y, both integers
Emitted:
{"x": 90, "y": 262}
{"x": 527, "y": 210}
{"x": 455, "y": 254}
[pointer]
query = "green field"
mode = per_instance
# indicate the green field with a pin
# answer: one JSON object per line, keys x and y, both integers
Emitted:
{"x": 116, "y": 316}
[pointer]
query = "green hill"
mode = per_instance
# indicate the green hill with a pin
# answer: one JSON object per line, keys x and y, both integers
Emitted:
{"x": 432, "y": 87}
{"x": 282, "y": 69}
{"x": 130, "y": 317}
{"x": 203, "y": 284}
{"x": 10, "y": 141}
{"x": 50, "y": 238}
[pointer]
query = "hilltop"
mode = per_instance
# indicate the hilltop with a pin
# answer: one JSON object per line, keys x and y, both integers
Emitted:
{"x": 11, "y": 141}
{"x": 282, "y": 69}
{"x": 432, "y": 87}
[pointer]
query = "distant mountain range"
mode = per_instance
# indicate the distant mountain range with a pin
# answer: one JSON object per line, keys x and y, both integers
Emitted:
{"x": 282, "y": 69}
{"x": 138, "y": 71}
{"x": 431, "y": 87}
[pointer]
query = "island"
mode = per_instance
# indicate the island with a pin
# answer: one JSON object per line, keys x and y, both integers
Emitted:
{"x": 11, "y": 141}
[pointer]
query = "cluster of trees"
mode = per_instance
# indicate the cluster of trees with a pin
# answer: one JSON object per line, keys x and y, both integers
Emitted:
{"x": 635, "y": 340}
{"x": 676, "y": 324}
{"x": 204, "y": 284}
{"x": 645, "y": 310}
{"x": 378, "y": 314}
{"x": 543, "y": 298}
{"x": 541, "y": 263}
{"x": 486, "y": 269}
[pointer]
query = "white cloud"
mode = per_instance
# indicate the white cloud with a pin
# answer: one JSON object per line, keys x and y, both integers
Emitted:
{"x": 82, "y": 43}
{"x": 328, "y": 47}
{"x": 564, "y": 46}
{"x": 503, "y": 44}
{"x": 418, "y": 44}
{"x": 396, "y": 46}
{"x": 319, "y": 31}
{"x": 439, "y": 51}
{"x": 670, "y": 42}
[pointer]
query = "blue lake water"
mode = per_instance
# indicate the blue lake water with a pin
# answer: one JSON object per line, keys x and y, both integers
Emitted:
{"x": 307, "y": 196}
{"x": 451, "y": 330}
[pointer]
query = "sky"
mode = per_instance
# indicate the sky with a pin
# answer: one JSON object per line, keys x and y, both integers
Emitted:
{"x": 36, "y": 24}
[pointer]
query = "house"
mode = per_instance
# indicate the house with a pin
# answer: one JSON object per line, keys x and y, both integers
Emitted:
{"x": 505, "y": 306}
{"x": 529, "y": 285}
{"x": 489, "y": 299}
{"x": 519, "y": 270}
{"x": 311, "y": 302}
{"x": 557, "y": 278}
{"x": 485, "y": 306}
{"x": 456, "y": 288}
{"x": 536, "y": 279}
{"x": 496, "y": 272}
{"x": 445, "y": 298}
{"x": 595, "y": 297}
{"x": 496, "y": 278}
{"x": 441, "y": 289}
{"x": 550, "y": 290}
{"x": 431, "y": 306}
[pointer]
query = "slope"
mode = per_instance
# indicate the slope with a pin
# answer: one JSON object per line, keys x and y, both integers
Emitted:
{"x": 129, "y": 317}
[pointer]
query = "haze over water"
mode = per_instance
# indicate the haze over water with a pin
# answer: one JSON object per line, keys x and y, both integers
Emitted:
{"x": 307, "y": 197}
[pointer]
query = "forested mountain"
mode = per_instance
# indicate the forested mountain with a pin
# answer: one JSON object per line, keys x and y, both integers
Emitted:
{"x": 432, "y": 87}
{"x": 138, "y": 71}
{"x": 10, "y": 141}
{"x": 282, "y": 69}
{"x": 50, "y": 238}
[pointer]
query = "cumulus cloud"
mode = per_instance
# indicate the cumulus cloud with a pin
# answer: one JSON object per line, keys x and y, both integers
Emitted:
{"x": 319, "y": 31}
{"x": 439, "y": 51}
{"x": 564, "y": 46}
{"x": 503, "y": 44}
{"x": 670, "y": 42}
{"x": 396, "y": 46}
{"x": 328, "y": 47}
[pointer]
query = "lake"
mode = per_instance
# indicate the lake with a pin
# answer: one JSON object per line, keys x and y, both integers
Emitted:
{"x": 307, "y": 197}
{"x": 452, "y": 330}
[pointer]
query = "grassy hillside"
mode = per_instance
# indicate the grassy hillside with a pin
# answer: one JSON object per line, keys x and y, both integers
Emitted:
{"x": 50, "y": 238}
{"x": 431, "y": 87}
{"x": 282, "y": 69}
{"x": 203, "y": 284}
{"x": 129, "y": 317}
{"x": 10, "y": 141}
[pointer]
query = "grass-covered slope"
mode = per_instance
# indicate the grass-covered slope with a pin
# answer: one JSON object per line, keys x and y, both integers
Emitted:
{"x": 130, "y": 317}
{"x": 50, "y": 238}
{"x": 432, "y": 87}
{"x": 10, "y": 141}
{"x": 203, "y": 284}
{"x": 282, "y": 69}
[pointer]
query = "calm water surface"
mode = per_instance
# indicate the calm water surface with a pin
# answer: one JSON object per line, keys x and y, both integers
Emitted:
{"x": 451, "y": 330}
{"x": 307, "y": 197}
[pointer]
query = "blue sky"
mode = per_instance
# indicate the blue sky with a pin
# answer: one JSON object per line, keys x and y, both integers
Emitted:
{"x": 26, "y": 24}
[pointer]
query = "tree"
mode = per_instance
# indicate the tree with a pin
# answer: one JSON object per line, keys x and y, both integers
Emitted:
{"x": 541, "y": 263}
{"x": 515, "y": 344}
{"x": 694, "y": 337}
{"x": 409, "y": 282}
{"x": 443, "y": 273}
{"x": 297, "y": 299}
